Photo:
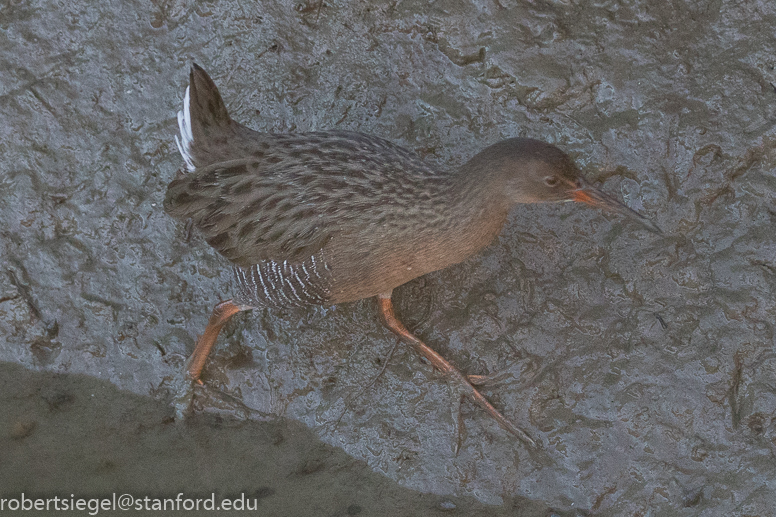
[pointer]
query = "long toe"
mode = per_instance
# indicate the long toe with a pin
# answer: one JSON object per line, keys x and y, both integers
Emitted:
{"x": 479, "y": 399}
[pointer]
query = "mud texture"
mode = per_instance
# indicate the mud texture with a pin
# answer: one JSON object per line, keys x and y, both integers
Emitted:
{"x": 644, "y": 364}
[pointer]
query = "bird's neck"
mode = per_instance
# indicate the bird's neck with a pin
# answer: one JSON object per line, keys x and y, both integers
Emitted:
{"x": 473, "y": 210}
{"x": 475, "y": 191}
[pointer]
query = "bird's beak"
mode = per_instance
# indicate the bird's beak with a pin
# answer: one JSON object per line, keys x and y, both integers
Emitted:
{"x": 594, "y": 197}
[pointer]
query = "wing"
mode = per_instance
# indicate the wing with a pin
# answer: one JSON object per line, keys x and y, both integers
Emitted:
{"x": 284, "y": 196}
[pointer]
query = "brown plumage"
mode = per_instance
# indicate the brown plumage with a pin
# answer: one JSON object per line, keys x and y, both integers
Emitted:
{"x": 335, "y": 216}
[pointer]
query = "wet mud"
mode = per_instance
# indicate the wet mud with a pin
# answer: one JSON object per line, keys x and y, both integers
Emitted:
{"x": 644, "y": 364}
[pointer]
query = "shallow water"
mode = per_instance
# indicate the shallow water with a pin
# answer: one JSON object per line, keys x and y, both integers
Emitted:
{"x": 645, "y": 364}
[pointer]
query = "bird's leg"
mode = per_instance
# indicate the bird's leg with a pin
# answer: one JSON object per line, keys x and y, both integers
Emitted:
{"x": 182, "y": 382}
{"x": 222, "y": 312}
{"x": 448, "y": 370}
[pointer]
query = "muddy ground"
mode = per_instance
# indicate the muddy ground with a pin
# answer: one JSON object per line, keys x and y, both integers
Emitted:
{"x": 644, "y": 364}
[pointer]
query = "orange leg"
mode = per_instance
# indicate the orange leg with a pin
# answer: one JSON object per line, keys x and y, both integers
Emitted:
{"x": 221, "y": 314}
{"x": 448, "y": 370}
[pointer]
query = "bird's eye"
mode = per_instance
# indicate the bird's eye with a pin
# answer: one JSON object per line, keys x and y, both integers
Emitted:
{"x": 551, "y": 181}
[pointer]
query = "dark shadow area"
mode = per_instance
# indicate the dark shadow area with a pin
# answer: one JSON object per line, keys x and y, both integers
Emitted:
{"x": 73, "y": 434}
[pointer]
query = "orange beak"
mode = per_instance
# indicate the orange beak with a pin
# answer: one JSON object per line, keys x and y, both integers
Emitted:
{"x": 594, "y": 197}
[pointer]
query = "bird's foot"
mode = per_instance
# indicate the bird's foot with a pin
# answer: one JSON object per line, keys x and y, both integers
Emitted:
{"x": 487, "y": 380}
{"x": 448, "y": 370}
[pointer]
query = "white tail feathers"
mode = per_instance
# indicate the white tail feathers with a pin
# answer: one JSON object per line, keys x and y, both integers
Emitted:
{"x": 187, "y": 137}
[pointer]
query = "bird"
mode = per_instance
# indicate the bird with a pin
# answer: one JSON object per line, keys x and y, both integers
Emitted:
{"x": 328, "y": 217}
